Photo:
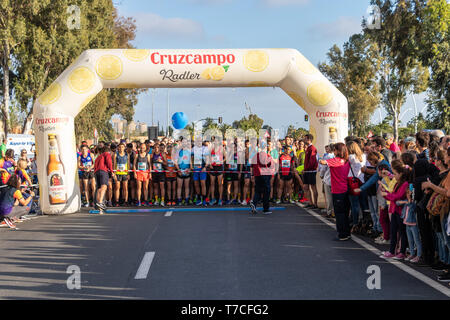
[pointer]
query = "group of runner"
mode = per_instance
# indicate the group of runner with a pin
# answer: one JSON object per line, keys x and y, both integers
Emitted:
{"x": 181, "y": 172}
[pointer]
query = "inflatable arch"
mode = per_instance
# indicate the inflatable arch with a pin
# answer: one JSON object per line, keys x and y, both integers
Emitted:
{"x": 55, "y": 110}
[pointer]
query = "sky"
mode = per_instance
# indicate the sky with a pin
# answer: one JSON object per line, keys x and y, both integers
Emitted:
{"x": 310, "y": 26}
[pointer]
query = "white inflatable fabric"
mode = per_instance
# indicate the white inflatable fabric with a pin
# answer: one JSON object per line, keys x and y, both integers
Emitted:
{"x": 55, "y": 110}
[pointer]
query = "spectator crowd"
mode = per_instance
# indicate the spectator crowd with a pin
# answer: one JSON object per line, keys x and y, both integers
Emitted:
{"x": 397, "y": 194}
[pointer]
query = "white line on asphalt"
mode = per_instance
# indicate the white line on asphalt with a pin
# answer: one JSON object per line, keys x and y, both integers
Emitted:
{"x": 432, "y": 283}
{"x": 296, "y": 246}
{"x": 145, "y": 265}
{"x": 168, "y": 214}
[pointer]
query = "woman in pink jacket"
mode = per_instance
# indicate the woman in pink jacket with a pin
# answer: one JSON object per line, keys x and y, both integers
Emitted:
{"x": 403, "y": 176}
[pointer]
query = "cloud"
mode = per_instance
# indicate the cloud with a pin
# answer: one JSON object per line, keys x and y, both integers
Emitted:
{"x": 161, "y": 27}
{"x": 279, "y": 3}
{"x": 342, "y": 27}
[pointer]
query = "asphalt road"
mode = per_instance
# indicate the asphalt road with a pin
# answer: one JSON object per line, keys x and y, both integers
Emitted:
{"x": 198, "y": 255}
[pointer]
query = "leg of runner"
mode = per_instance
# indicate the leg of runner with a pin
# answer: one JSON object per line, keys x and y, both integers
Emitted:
{"x": 117, "y": 191}
{"x": 138, "y": 191}
{"x": 186, "y": 189}
{"x": 125, "y": 191}
{"x": 212, "y": 189}
{"x": 245, "y": 191}
{"x": 179, "y": 187}
{"x": 85, "y": 183}
{"x": 162, "y": 192}
{"x": 93, "y": 187}
{"x": 220, "y": 187}
{"x": 280, "y": 191}
{"x": 235, "y": 191}
{"x": 145, "y": 184}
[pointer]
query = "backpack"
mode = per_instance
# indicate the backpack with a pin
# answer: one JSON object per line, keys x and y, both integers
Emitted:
{"x": 439, "y": 204}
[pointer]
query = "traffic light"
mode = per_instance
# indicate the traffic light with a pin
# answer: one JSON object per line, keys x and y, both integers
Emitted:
{"x": 220, "y": 119}
{"x": 306, "y": 118}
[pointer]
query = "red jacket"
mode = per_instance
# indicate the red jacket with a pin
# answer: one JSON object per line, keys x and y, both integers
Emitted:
{"x": 103, "y": 162}
{"x": 311, "y": 162}
{"x": 263, "y": 164}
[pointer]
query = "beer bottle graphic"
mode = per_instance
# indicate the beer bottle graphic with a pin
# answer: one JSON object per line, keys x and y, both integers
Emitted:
{"x": 55, "y": 173}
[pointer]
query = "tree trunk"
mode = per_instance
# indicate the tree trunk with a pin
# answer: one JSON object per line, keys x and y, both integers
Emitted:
{"x": 27, "y": 122}
{"x": 395, "y": 122}
{"x": 5, "y": 69}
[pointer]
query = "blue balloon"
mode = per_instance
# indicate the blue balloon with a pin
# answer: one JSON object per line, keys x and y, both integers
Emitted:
{"x": 179, "y": 120}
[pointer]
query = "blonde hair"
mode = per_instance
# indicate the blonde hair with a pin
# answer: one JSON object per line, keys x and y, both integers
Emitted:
{"x": 353, "y": 148}
{"x": 23, "y": 161}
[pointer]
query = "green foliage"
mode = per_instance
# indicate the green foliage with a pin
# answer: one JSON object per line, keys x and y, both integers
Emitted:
{"x": 47, "y": 46}
{"x": 353, "y": 72}
{"x": 400, "y": 71}
{"x": 296, "y": 133}
{"x": 252, "y": 122}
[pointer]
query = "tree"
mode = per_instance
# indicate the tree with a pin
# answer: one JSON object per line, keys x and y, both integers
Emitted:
{"x": 433, "y": 48}
{"x": 353, "y": 72}
{"x": 12, "y": 32}
{"x": 400, "y": 72}
{"x": 252, "y": 122}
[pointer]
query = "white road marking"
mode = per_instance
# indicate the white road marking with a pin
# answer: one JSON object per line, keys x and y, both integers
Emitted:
{"x": 168, "y": 214}
{"x": 432, "y": 283}
{"x": 145, "y": 265}
{"x": 296, "y": 246}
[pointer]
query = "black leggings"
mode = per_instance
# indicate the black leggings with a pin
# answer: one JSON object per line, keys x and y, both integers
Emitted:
{"x": 398, "y": 226}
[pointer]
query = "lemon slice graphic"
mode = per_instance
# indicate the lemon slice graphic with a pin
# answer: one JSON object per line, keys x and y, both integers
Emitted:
{"x": 136, "y": 54}
{"x": 109, "y": 67}
{"x": 304, "y": 64}
{"x": 217, "y": 73}
{"x": 51, "y": 95}
{"x": 206, "y": 74}
{"x": 256, "y": 60}
{"x": 81, "y": 80}
{"x": 297, "y": 98}
{"x": 319, "y": 93}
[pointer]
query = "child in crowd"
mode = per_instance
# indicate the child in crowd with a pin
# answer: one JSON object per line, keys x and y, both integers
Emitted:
{"x": 402, "y": 176}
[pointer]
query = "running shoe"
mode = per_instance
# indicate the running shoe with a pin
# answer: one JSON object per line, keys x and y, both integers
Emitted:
{"x": 139, "y": 204}
{"x": 198, "y": 202}
{"x": 116, "y": 204}
{"x": 253, "y": 207}
{"x": 399, "y": 256}
{"x": 244, "y": 203}
{"x": 162, "y": 204}
{"x": 414, "y": 259}
{"x": 292, "y": 201}
{"x": 85, "y": 204}
{"x": 278, "y": 201}
{"x": 228, "y": 202}
{"x": 10, "y": 224}
{"x": 267, "y": 212}
{"x": 109, "y": 204}
{"x": 235, "y": 202}
{"x": 205, "y": 203}
{"x": 387, "y": 255}
{"x": 212, "y": 202}
{"x": 444, "y": 277}
{"x": 409, "y": 257}
{"x": 3, "y": 224}
{"x": 220, "y": 202}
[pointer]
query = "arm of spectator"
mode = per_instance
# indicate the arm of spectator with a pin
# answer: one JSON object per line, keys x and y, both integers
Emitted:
{"x": 438, "y": 189}
{"x": 397, "y": 195}
{"x": 372, "y": 180}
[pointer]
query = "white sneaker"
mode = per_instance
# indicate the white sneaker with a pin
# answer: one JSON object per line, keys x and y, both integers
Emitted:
{"x": 244, "y": 203}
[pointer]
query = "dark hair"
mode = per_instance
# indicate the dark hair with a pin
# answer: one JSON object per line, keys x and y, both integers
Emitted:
{"x": 433, "y": 146}
{"x": 422, "y": 138}
{"x": 374, "y": 155}
{"x": 129, "y": 145}
{"x": 14, "y": 181}
{"x": 380, "y": 142}
{"x": 309, "y": 137}
{"x": 404, "y": 171}
{"x": 341, "y": 151}
{"x": 100, "y": 149}
{"x": 408, "y": 158}
{"x": 9, "y": 153}
{"x": 440, "y": 155}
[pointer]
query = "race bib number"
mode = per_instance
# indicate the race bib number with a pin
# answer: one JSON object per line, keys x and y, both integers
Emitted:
{"x": 158, "y": 166}
{"x": 286, "y": 163}
{"x": 121, "y": 166}
{"x": 142, "y": 166}
{"x": 233, "y": 166}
